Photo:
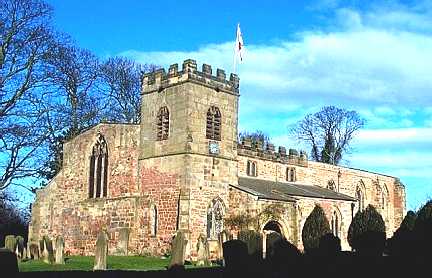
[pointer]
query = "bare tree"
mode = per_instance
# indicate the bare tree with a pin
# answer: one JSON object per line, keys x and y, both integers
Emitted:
{"x": 75, "y": 100}
{"x": 25, "y": 41}
{"x": 122, "y": 78}
{"x": 328, "y": 132}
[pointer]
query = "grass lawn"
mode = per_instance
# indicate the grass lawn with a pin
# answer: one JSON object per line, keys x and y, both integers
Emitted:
{"x": 86, "y": 263}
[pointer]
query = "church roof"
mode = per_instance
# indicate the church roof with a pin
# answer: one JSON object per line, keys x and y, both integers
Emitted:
{"x": 284, "y": 191}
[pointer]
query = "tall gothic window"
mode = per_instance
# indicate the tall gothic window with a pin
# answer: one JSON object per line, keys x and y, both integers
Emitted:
{"x": 291, "y": 174}
{"x": 331, "y": 185}
{"x": 153, "y": 220}
{"x": 335, "y": 224}
{"x": 215, "y": 215}
{"x": 163, "y": 124}
{"x": 98, "y": 176}
{"x": 360, "y": 198}
{"x": 213, "y": 127}
{"x": 251, "y": 168}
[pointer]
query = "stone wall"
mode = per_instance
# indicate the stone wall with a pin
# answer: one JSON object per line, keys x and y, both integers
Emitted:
{"x": 63, "y": 206}
{"x": 346, "y": 181}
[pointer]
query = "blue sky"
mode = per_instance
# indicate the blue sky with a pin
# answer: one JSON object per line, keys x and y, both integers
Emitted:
{"x": 375, "y": 58}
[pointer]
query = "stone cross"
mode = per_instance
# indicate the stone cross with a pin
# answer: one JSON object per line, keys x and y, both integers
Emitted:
{"x": 47, "y": 252}
{"x": 123, "y": 242}
{"x": 178, "y": 249}
{"x": 203, "y": 251}
{"x": 10, "y": 242}
{"x": 101, "y": 251}
{"x": 34, "y": 251}
{"x": 59, "y": 250}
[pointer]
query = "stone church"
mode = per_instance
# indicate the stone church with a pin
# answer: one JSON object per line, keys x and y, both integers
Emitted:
{"x": 182, "y": 168}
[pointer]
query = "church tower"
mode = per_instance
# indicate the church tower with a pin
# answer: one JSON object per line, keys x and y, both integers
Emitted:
{"x": 188, "y": 149}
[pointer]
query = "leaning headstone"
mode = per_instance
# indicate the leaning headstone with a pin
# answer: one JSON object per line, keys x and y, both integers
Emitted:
{"x": 123, "y": 242}
{"x": 178, "y": 249}
{"x": 8, "y": 263}
{"x": 17, "y": 253}
{"x": 202, "y": 251}
{"x": 101, "y": 252}
{"x": 47, "y": 253}
{"x": 20, "y": 245}
{"x": 34, "y": 251}
{"x": 253, "y": 241}
{"x": 10, "y": 243}
{"x": 59, "y": 249}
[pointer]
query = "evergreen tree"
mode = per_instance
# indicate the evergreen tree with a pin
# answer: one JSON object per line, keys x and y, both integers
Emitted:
{"x": 423, "y": 228}
{"x": 316, "y": 226}
{"x": 365, "y": 224}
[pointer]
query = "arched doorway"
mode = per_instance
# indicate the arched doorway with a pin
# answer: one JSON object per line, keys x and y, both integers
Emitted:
{"x": 272, "y": 232}
{"x": 273, "y": 226}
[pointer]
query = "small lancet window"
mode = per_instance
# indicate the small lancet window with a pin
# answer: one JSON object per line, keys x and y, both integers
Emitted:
{"x": 291, "y": 174}
{"x": 335, "y": 224}
{"x": 360, "y": 198}
{"x": 98, "y": 176}
{"x": 153, "y": 220}
{"x": 215, "y": 215}
{"x": 213, "y": 124}
{"x": 163, "y": 122}
{"x": 251, "y": 168}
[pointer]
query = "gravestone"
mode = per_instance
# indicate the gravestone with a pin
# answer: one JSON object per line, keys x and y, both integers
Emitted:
{"x": 47, "y": 252}
{"x": 34, "y": 251}
{"x": 101, "y": 251}
{"x": 235, "y": 256}
{"x": 24, "y": 254}
{"x": 202, "y": 251}
{"x": 123, "y": 242}
{"x": 178, "y": 249}
{"x": 59, "y": 250}
{"x": 20, "y": 246}
{"x": 10, "y": 243}
{"x": 253, "y": 241}
{"x": 8, "y": 263}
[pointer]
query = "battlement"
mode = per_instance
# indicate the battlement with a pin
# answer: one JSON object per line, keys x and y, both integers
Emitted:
{"x": 257, "y": 150}
{"x": 160, "y": 79}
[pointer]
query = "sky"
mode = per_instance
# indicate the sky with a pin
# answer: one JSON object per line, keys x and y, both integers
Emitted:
{"x": 374, "y": 58}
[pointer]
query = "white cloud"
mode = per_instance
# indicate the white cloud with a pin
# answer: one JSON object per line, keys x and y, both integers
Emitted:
{"x": 376, "y": 62}
{"x": 389, "y": 137}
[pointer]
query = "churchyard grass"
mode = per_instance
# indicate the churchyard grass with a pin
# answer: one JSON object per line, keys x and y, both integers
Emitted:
{"x": 86, "y": 263}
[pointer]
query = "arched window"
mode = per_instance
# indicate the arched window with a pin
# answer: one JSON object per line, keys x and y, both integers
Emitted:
{"x": 335, "y": 224}
{"x": 360, "y": 198}
{"x": 215, "y": 215}
{"x": 291, "y": 174}
{"x": 331, "y": 185}
{"x": 213, "y": 127}
{"x": 153, "y": 220}
{"x": 251, "y": 168}
{"x": 163, "y": 124}
{"x": 98, "y": 176}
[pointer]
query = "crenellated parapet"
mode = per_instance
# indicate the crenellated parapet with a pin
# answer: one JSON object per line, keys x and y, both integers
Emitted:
{"x": 160, "y": 79}
{"x": 256, "y": 149}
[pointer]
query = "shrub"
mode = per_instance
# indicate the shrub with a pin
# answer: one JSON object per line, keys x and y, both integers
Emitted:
{"x": 423, "y": 228}
{"x": 409, "y": 221}
{"x": 401, "y": 244}
{"x": 316, "y": 226}
{"x": 367, "y": 226}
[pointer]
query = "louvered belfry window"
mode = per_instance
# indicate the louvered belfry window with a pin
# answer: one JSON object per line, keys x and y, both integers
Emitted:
{"x": 213, "y": 127}
{"x": 163, "y": 124}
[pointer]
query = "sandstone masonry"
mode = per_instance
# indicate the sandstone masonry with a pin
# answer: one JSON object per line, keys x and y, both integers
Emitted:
{"x": 183, "y": 169}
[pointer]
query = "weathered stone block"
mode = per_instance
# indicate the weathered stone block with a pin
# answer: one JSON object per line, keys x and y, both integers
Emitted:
{"x": 101, "y": 251}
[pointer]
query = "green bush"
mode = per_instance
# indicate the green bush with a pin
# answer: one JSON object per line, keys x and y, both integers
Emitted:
{"x": 365, "y": 222}
{"x": 423, "y": 228}
{"x": 315, "y": 226}
{"x": 409, "y": 221}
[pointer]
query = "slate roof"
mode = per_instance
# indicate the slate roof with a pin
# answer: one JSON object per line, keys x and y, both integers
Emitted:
{"x": 284, "y": 191}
